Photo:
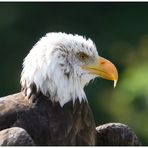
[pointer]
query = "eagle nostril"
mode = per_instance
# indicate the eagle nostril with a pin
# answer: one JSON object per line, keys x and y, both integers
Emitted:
{"x": 102, "y": 63}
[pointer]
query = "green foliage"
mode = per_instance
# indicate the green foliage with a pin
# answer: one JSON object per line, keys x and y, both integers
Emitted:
{"x": 120, "y": 31}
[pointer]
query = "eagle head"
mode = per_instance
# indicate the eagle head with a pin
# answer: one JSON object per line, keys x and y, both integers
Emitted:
{"x": 60, "y": 65}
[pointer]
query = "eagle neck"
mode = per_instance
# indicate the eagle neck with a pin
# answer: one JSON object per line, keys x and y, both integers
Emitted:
{"x": 58, "y": 91}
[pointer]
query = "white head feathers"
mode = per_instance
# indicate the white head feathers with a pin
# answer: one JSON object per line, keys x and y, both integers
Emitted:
{"x": 53, "y": 66}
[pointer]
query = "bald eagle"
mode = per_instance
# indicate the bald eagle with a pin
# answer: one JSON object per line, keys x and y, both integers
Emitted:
{"x": 52, "y": 106}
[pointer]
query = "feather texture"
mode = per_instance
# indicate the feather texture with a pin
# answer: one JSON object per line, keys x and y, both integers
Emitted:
{"x": 48, "y": 123}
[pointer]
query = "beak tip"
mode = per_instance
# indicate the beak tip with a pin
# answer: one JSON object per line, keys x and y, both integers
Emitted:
{"x": 115, "y": 83}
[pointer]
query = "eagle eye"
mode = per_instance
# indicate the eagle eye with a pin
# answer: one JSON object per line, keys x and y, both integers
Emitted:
{"x": 82, "y": 56}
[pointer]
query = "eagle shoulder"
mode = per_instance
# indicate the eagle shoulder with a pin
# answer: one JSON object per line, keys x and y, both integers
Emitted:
{"x": 9, "y": 107}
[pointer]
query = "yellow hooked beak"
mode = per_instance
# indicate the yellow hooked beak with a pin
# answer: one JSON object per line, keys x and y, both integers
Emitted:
{"x": 103, "y": 68}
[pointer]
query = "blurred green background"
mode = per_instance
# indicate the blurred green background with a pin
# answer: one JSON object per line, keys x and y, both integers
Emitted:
{"x": 120, "y": 31}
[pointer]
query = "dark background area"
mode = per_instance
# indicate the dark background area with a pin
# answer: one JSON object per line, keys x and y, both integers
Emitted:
{"x": 120, "y": 31}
